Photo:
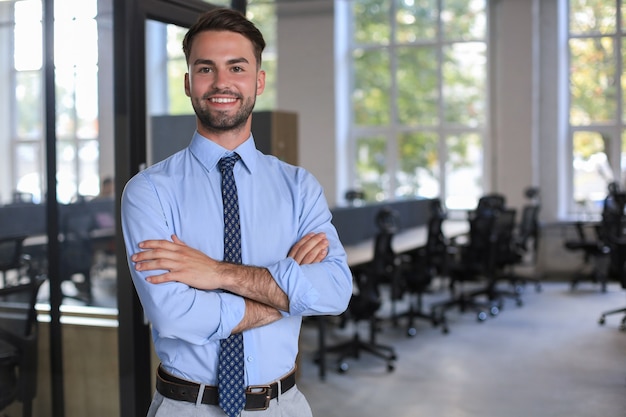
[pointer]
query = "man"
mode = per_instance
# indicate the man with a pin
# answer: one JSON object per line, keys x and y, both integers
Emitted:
{"x": 176, "y": 219}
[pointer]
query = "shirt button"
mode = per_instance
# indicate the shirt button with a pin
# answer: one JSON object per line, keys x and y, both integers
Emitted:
{"x": 249, "y": 358}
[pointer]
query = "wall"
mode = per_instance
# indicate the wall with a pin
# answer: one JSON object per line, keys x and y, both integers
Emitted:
{"x": 306, "y": 84}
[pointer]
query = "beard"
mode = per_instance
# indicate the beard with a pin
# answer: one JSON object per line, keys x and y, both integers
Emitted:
{"x": 218, "y": 121}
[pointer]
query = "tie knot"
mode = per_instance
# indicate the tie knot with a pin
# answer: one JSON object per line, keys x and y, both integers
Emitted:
{"x": 228, "y": 162}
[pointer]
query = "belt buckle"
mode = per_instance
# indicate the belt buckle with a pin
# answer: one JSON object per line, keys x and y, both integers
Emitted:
{"x": 258, "y": 390}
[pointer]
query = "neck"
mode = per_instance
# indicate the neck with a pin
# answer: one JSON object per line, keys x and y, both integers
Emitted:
{"x": 229, "y": 139}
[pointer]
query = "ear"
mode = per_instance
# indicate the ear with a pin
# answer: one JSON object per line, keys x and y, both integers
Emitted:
{"x": 187, "y": 87}
{"x": 260, "y": 82}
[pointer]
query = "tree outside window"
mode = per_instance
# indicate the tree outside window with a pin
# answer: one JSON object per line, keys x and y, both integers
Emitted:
{"x": 596, "y": 100}
{"x": 418, "y": 98}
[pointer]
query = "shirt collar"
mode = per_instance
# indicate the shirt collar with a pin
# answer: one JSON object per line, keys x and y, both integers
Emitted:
{"x": 209, "y": 153}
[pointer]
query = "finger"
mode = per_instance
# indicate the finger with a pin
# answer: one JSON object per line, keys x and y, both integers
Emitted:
{"x": 159, "y": 279}
{"x": 176, "y": 240}
{"x": 316, "y": 254}
{"x": 296, "y": 248}
{"x": 157, "y": 244}
{"x": 153, "y": 254}
{"x": 307, "y": 244}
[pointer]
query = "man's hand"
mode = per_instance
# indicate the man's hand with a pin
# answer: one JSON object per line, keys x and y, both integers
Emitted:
{"x": 192, "y": 267}
{"x": 310, "y": 249}
{"x": 184, "y": 263}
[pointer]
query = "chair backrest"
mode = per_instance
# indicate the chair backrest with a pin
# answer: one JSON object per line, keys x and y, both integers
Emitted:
{"x": 502, "y": 248}
{"x": 490, "y": 203}
{"x": 18, "y": 343}
{"x": 11, "y": 252}
{"x": 529, "y": 227}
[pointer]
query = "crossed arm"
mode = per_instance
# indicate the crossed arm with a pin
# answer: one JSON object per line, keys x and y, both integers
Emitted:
{"x": 263, "y": 297}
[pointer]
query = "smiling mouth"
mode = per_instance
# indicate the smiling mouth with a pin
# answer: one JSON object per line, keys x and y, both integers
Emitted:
{"x": 222, "y": 100}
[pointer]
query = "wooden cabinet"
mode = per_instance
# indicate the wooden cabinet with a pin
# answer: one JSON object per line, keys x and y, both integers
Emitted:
{"x": 276, "y": 133}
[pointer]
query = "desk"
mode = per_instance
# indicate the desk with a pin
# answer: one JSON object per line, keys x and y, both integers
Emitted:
{"x": 364, "y": 251}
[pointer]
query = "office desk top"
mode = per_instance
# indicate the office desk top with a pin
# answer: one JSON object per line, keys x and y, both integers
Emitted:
{"x": 403, "y": 241}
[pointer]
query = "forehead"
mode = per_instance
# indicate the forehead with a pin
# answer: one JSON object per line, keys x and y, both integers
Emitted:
{"x": 221, "y": 45}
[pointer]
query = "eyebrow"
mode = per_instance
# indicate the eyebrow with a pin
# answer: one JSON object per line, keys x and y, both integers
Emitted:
{"x": 233, "y": 61}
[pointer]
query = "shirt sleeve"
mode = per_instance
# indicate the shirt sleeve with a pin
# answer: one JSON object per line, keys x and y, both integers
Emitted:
{"x": 322, "y": 288}
{"x": 175, "y": 310}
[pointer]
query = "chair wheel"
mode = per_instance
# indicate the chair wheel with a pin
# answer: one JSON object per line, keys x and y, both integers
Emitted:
{"x": 494, "y": 310}
{"x": 481, "y": 316}
{"x": 390, "y": 367}
{"x": 411, "y": 332}
{"x": 343, "y": 367}
{"x": 519, "y": 302}
{"x": 601, "y": 321}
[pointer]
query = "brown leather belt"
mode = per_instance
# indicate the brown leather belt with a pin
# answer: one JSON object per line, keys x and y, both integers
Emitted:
{"x": 258, "y": 397}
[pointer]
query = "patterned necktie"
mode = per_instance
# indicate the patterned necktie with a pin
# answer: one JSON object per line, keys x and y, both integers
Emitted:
{"x": 230, "y": 369}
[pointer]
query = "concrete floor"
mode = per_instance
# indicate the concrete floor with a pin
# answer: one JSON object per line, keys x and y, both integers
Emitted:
{"x": 548, "y": 358}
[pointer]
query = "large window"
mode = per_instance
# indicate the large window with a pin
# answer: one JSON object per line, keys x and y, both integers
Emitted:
{"x": 596, "y": 108}
{"x": 418, "y": 98}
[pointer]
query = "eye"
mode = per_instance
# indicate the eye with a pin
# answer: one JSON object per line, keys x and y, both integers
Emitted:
{"x": 205, "y": 70}
{"x": 237, "y": 69}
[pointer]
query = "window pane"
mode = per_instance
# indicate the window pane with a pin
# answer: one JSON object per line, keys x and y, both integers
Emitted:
{"x": 464, "y": 80}
{"x": 28, "y": 50}
{"x": 592, "y": 81}
{"x": 592, "y": 172}
{"x": 372, "y": 84}
{"x": 86, "y": 101}
{"x": 463, "y": 19}
{"x": 263, "y": 14}
{"x": 464, "y": 168}
{"x": 28, "y": 94}
{"x": 592, "y": 16}
{"x": 88, "y": 156}
{"x": 27, "y": 169}
{"x": 418, "y": 90}
{"x": 371, "y": 167}
{"x": 66, "y": 172}
{"x": 371, "y": 21}
{"x": 419, "y": 172}
{"x": 416, "y": 20}
{"x": 622, "y": 170}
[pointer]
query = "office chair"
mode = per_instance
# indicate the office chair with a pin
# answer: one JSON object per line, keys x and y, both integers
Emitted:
{"x": 525, "y": 241}
{"x": 18, "y": 344}
{"x": 77, "y": 250}
{"x": 613, "y": 223}
{"x": 367, "y": 301}
{"x": 12, "y": 258}
{"x": 475, "y": 262}
{"x": 596, "y": 251}
{"x": 421, "y": 265}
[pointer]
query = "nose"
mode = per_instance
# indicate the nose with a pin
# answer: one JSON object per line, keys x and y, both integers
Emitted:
{"x": 222, "y": 79}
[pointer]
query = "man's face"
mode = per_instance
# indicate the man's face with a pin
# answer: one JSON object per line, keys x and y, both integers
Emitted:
{"x": 223, "y": 80}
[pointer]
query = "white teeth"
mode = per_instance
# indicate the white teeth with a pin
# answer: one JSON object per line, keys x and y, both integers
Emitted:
{"x": 223, "y": 100}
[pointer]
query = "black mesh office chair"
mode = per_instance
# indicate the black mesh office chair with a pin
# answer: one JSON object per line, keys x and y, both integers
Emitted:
{"x": 421, "y": 266}
{"x": 367, "y": 300}
{"x": 613, "y": 227}
{"x": 77, "y": 250}
{"x": 12, "y": 258}
{"x": 526, "y": 242}
{"x": 474, "y": 261}
{"x": 595, "y": 249}
{"x": 18, "y": 345}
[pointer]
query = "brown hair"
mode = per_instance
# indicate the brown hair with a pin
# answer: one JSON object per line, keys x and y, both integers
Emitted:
{"x": 223, "y": 19}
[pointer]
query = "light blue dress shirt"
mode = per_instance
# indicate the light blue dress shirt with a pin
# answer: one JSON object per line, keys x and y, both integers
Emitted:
{"x": 279, "y": 204}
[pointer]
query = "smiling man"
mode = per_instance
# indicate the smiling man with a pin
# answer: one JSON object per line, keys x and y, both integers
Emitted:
{"x": 229, "y": 248}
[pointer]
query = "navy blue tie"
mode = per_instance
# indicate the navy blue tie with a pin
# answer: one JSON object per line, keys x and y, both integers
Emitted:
{"x": 230, "y": 372}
